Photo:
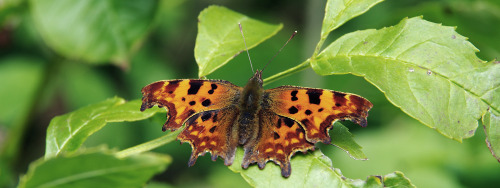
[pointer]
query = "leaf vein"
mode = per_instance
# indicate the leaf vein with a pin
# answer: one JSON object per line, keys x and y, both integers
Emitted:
{"x": 395, "y": 38}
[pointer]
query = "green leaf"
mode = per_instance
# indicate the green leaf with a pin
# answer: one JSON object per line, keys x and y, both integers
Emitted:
{"x": 428, "y": 70}
{"x": 310, "y": 170}
{"x": 94, "y": 168}
{"x": 479, "y": 20}
{"x": 343, "y": 139}
{"x": 395, "y": 179}
{"x": 491, "y": 123}
{"x": 94, "y": 30}
{"x": 337, "y": 12}
{"x": 219, "y": 38}
{"x": 66, "y": 133}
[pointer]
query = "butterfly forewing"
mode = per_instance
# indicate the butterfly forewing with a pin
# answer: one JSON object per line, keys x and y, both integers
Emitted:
{"x": 184, "y": 98}
{"x": 317, "y": 109}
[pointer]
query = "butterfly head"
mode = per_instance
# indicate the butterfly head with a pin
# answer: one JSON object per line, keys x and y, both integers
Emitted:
{"x": 256, "y": 79}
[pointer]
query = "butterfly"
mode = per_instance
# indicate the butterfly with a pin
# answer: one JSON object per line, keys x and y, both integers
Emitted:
{"x": 270, "y": 124}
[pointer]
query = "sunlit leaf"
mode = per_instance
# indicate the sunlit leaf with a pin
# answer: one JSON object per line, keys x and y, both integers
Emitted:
{"x": 343, "y": 139}
{"x": 428, "y": 70}
{"x": 491, "y": 123}
{"x": 93, "y": 30}
{"x": 66, "y": 133}
{"x": 94, "y": 169}
{"x": 308, "y": 170}
{"x": 219, "y": 38}
{"x": 339, "y": 11}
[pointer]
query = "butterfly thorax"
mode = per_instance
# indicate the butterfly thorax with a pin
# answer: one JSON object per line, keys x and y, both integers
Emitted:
{"x": 249, "y": 104}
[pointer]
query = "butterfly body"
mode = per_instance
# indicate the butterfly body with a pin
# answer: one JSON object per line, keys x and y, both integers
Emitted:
{"x": 269, "y": 124}
{"x": 249, "y": 104}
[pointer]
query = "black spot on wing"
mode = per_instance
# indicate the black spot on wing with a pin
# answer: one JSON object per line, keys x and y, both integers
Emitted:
{"x": 212, "y": 130}
{"x": 192, "y": 103}
{"x": 314, "y": 95}
{"x": 206, "y": 116}
{"x": 308, "y": 112}
{"x": 194, "y": 86}
{"x": 214, "y": 87}
{"x": 293, "y": 110}
{"x": 294, "y": 95}
{"x": 288, "y": 122}
{"x": 276, "y": 136}
{"x": 206, "y": 102}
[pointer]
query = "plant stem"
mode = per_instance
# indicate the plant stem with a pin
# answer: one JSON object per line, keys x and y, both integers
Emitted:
{"x": 319, "y": 45}
{"x": 148, "y": 146}
{"x": 288, "y": 72}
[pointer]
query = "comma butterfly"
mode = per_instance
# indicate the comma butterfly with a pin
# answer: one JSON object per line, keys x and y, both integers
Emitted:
{"x": 269, "y": 124}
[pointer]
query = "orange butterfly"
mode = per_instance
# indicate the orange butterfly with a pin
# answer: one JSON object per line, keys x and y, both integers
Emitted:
{"x": 269, "y": 124}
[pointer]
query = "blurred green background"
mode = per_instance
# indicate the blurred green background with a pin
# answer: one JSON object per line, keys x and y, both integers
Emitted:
{"x": 38, "y": 83}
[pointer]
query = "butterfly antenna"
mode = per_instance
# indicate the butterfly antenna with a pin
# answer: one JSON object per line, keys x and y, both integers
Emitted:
{"x": 291, "y": 37}
{"x": 241, "y": 30}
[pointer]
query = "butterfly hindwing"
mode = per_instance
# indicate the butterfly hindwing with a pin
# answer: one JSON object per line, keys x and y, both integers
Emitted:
{"x": 279, "y": 138}
{"x": 186, "y": 97}
{"x": 317, "y": 109}
{"x": 212, "y": 131}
